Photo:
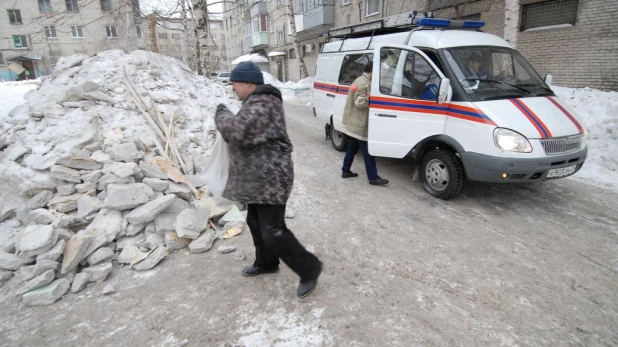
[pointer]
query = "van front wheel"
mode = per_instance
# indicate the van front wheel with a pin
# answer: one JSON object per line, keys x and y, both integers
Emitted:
{"x": 338, "y": 139}
{"x": 442, "y": 173}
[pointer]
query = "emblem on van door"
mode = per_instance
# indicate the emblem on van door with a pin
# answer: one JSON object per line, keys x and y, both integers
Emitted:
{"x": 386, "y": 115}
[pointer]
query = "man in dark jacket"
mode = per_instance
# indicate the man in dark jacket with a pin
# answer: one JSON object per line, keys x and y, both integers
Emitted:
{"x": 261, "y": 174}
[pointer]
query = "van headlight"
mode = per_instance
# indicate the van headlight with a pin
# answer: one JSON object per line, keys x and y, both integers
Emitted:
{"x": 511, "y": 141}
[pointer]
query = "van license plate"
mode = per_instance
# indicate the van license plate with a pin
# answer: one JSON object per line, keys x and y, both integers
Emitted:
{"x": 565, "y": 171}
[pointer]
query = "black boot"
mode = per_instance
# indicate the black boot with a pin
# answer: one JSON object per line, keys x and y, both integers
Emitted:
{"x": 348, "y": 174}
{"x": 308, "y": 286}
{"x": 252, "y": 270}
{"x": 379, "y": 181}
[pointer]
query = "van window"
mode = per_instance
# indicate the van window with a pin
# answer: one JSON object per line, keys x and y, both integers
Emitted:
{"x": 352, "y": 67}
{"x": 407, "y": 74}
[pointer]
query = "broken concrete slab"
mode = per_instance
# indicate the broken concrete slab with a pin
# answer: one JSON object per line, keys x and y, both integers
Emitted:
{"x": 152, "y": 260}
{"x": 54, "y": 253}
{"x": 38, "y": 282}
{"x": 150, "y": 210}
{"x": 88, "y": 205}
{"x": 79, "y": 163}
{"x": 178, "y": 206}
{"x": 127, "y": 241}
{"x": 113, "y": 179}
{"x": 85, "y": 187}
{"x": 134, "y": 229}
{"x": 7, "y": 212}
{"x": 204, "y": 242}
{"x": 92, "y": 177}
{"x": 5, "y": 276}
{"x": 79, "y": 282}
{"x": 65, "y": 207}
{"x": 15, "y": 151}
{"x": 39, "y": 200}
{"x": 226, "y": 249}
{"x": 156, "y": 184}
{"x": 128, "y": 254}
{"x": 126, "y": 152}
{"x": 48, "y": 294}
{"x": 109, "y": 289}
{"x": 100, "y": 255}
{"x": 75, "y": 251}
{"x": 239, "y": 255}
{"x": 10, "y": 245}
{"x": 65, "y": 174}
{"x": 98, "y": 272}
{"x": 234, "y": 215}
{"x": 101, "y": 157}
{"x": 180, "y": 190}
{"x": 151, "y": 171}
{"x": 37, "y": 239}
{"x": 191, "y": 222}
{"x": 173, "y": 242}
{"x": 66, "y": 189}
{"x": 13, "y": 262}
{"x": 40, "y": 216}
{"x": 29, "y": 272}
{"x": 152, "y": 241}
{"x": 164, "y": 223}
{"x": 196, "y": 180}
{"x": 217, "y": 208}
{"x": 104, "y": 228}
{"x": 127, "y": 196}
{"x": 124, "y": 169}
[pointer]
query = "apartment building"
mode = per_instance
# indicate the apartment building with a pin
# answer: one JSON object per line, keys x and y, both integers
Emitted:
{"x": 174, "y": 37}
{"x": 36, "y": 33}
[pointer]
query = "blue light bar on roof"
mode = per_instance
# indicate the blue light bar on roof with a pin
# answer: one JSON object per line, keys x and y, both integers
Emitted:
{"x": 473, "y": 24}
{"x": 447, "y": 23}
{"x": 433, "y": 22}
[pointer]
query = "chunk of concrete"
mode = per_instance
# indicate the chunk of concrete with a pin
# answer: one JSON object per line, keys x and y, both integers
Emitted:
{"x": 191, "y": 222}
{"x": 234, "y": 215}
{"x": 128, "y": 254}
{"x": 40, "y": 216}
{"x": 29, "y": 272}
{"x": 239, "y": 255}
{"x": 173, "y": 242}
{"x": 79, "y": 163}
{"x": 226, "y": 249}
{"x": 79, "y": 282}
{"x": 65, "y": 174}
{"x": 152, "y": 260}
{"x": 75, "y": 251}
{"x": 48, "y": 294}
{"x": 134, "y": 229}
{"x": 37, "y": 239}
{"x": 124, "y": 169}
{"x": 204, "y": 242}
{"x": 100, "y": 255}
{"x": 92, "y": 177}
{"x": 180, "y": 190}
{"x": 164, "y": 223}
{"x": 126, "y": 152}
{"x": 65, "y": 207}
{"x": 85, "y": 187}
{"x": 10, "y": 245}
{"x": 113, "y": 179}
{"x": 109, "y": 289}
{"x": 196, "y": 180}
{"x": 39, "y": 200}
{"x": 104, "y": 228}
{"x": 88, "y": 205}
{"x": 127, "y": 241}
{"x": 156, "y": 184}
{"x": 5, "y": 276}
{"x": 65, "y": 189}
{"x": 178, "y": 206}
{"x": 151, "y": 171}
{"x": 98, "y": 272}
{"x": 217, "y": 209}
{"x": 127, "y": 196}
{"x": 150, "y": 210}
{"x": 54, "y": 253}
{"x": 38, "y": 282}
{"x": 153, "y": 240}
{"x": 13, "y": 262}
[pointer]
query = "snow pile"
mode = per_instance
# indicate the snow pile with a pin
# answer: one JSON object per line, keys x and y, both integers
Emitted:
{"x": 291, "y": 90}
{"x": 599, "y": 112}
{"x": 82, "y": 184}
{"x": 12, "y": 94}
{"x": 254, "y": 57}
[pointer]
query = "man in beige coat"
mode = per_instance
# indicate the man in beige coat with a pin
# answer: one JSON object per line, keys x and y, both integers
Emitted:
{"x": 356, "y": 121}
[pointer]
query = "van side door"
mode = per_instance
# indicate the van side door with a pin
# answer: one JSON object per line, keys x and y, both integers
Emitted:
{"x": 325, "y": 85}
{"x": 403, "y": 108}
{"x": 351, "y": 68}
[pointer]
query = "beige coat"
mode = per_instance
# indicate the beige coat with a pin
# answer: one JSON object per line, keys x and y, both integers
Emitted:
{"x": 356, "y": 111}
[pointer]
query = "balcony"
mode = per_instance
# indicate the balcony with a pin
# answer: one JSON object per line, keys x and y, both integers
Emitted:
{"x": 257, "y": 40}
{"x": 313, "y": 17}
{"x": 255, "y": 9}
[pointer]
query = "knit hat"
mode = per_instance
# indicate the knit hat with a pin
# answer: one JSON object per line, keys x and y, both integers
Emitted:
{"x": 247, "y": 71}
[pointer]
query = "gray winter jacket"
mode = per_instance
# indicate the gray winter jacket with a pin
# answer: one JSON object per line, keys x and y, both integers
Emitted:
{"x": 261, "y": 168}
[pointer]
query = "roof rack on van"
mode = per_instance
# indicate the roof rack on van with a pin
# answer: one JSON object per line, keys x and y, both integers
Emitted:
{"x": 400, "y": 23}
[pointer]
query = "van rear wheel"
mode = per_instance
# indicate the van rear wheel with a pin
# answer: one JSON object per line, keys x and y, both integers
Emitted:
{"x": 442, "y": 173}
{"x": 338, "y": 139}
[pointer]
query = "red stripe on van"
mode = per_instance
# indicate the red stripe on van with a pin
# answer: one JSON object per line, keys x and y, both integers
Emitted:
{"x": 566, "y": 113}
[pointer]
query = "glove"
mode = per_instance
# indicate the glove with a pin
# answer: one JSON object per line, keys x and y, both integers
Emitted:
{"x": 221, "y": 107}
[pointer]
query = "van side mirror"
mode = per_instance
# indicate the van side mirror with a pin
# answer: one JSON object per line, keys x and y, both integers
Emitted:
{"x": 548, "y": 80}
{"x": 445, "y": 84}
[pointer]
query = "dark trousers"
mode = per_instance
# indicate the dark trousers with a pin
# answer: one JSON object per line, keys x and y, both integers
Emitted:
{"x": 370, "y": 163}
{"x": 274, "y": 241}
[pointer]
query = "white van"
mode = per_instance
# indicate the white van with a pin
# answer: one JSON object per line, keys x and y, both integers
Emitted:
{"x": 463, "y": 102}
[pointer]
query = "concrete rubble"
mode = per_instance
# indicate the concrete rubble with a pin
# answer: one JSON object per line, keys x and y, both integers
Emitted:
{"x": 82, "y": 191}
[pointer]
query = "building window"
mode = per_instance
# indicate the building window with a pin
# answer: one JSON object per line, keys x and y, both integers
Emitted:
{"x": 2, "y": 59}
{"x": 346, "y": 2}
{"x": 106, "y": 5}
{"x": 14, "y": 16}
{"x": 372, "y": 7}
{"x": 214, "y": 48}
{"x": 307, "y": 49}
{"x": 20, "y": 41}
{"x": 50, "y": 32}
{"x": 548, "y": 13}
{"x": 77, "y": 32}
{"x": 214, "y": 25}
{"x": 280, "y": 36}
{"x": 164, "y": 47}
{"x": 111, "y": 31}
{"x": 71, "y": 5}
{"x": 176, "y": 36}
{"x": 139, "y": 32}
{"x": 214, "y": 37}
{"x": 270, "y": 25}
{"x": 163, "y": 36}
{"x": 292, "y": 53}
{"x": 45, "y": 6}
{"x": 178, "y": 47}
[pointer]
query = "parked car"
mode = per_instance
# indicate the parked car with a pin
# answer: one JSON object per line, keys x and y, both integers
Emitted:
{"x": 224, "y": 77}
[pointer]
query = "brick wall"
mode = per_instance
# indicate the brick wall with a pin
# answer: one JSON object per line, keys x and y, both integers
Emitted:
{"x": 585, "y": 55}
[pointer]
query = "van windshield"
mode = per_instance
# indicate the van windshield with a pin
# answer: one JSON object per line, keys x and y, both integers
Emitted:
{"x": 225, "y": 74}
{"x": 493, "y": 73}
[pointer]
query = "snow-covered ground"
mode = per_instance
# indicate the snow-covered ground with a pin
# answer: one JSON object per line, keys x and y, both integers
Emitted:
{"x": 12, "y": 94}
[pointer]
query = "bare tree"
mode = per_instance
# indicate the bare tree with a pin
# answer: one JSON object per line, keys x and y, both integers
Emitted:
{"x": 200, "y": 15}
{"x": 511, "y": 21}
{"x": 296, "y": 42}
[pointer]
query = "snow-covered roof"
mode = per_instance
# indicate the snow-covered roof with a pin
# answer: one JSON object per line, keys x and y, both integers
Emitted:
{"x": 276, "y": 54}
{"x": 254, "y": 57}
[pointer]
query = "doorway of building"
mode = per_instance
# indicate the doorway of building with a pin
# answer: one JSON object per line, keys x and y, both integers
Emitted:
{"x": 28, "y": 65}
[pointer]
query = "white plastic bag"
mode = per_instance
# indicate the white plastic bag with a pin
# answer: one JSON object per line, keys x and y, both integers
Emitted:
{"x": 216, "y": 169}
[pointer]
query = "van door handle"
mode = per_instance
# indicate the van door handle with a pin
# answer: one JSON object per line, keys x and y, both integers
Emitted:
{"x": 330, "y": 95}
